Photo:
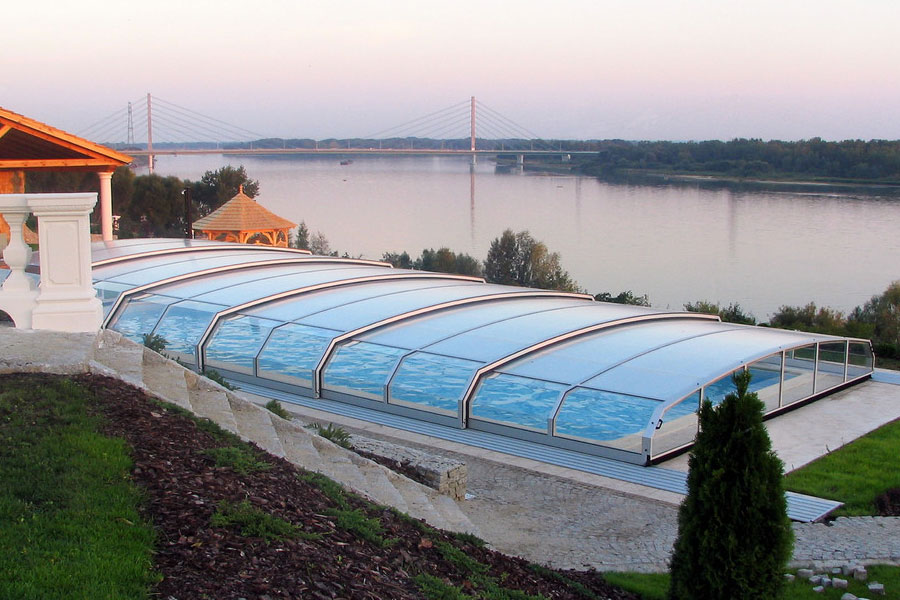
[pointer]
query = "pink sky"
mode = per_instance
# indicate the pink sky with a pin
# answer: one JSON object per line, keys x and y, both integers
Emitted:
{"x": 574, "y": 69}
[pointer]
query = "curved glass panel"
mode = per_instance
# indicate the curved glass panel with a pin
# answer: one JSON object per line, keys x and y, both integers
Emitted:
{"x": 615, "y": 420}
{"x": 860, "y": 360}
{"x": 832, "y": 357}
{"x": 236, "y": 342}
{"x": 516, "y": 401}
{"x": 385, "y": 292}
{"x": 292, "y": 353}
{"x": 506, "y": 336}
{"x": 763, "y": 378}
{"x": 799, "y": 373}
{"x": 429, "y": 329}
{"x": 242, "y": 287}
{"x": 679, "y": 426}
{"x": 432, "y": 380}
{"x": 140, "y": 316}
{"x": 766, "y": 380}
{"x": 183, "y": 324}
{"x": 108, "y": 292}
{"x": 361, "y": 369}
{"x": 146, "y": 270}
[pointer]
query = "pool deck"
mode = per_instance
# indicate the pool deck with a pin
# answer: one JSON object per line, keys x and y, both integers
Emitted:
{"x": 803, "y": 435}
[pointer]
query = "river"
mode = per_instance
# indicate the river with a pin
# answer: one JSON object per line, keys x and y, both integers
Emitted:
{"x": 761, "y": 246}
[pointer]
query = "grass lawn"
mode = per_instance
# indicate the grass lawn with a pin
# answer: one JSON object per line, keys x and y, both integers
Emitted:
{"x": 653, "y": 586}
{"x": 69, "y": 525}
{"x": 855, "y": 474}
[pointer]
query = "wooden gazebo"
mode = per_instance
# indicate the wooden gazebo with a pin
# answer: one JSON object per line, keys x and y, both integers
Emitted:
{"x": 29, "y": 145}
{"x": 245, "y": 221}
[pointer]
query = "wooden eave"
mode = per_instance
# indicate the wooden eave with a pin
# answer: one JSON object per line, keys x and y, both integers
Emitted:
{"x": 26, "y": 144}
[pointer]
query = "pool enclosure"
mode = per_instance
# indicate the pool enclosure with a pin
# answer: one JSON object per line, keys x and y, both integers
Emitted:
{"x": 550, "y": 367}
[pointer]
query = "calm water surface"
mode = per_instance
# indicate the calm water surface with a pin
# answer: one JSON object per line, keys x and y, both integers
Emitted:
{"x": 676, "y": 242}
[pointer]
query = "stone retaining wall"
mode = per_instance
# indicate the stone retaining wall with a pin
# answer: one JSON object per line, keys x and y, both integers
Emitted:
{"x": 437, "y": 472}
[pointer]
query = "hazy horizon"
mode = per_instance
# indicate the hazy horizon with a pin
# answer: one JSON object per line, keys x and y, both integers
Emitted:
{"x": 581, "y": 69}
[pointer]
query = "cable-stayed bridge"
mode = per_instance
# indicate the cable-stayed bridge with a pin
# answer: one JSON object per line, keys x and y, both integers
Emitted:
{"x": 153, "y": 126}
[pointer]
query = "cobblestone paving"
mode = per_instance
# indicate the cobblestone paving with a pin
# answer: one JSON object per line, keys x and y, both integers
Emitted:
{"x": 549, "y": 519}
{"x": 866, "y": 540}
{"x": 552, "y": 520}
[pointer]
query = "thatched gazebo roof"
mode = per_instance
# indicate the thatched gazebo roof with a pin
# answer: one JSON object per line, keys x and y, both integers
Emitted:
{"x": 244, "y": 220}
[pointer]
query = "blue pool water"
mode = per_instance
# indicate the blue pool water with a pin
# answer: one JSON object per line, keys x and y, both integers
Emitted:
{"x": 362, "y": 368}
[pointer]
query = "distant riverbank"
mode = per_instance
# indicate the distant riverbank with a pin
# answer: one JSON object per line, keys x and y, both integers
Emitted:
{"x": 641, "y": 176}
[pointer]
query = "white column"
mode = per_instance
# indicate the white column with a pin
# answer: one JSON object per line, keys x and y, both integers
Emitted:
{"x": 106, "y": 221}
{"x": 67, "y": 300}
{"x": 18, "y": 294}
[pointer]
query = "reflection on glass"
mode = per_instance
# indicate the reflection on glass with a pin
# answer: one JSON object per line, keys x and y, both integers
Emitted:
{"x": 860, "y": 359}
{"x": 361, "y": 369}
{"x": 292, "y": 352}
{"x": 799, "y": 371}
{"x": 184, "y": 323}
{"x": 431, "y": 380}
{"x": 766, "y": 375}
{"x": 108, "y": 292}
{"x": 832, "y": 356}
{"x": 766, "y": 380}
{"x": 616, "y": 420}
{"x": 679, "y": 426}
{"x": 518, "y": 401}
{"x": 236, "y": 342}
{"x": 140, "y": 316}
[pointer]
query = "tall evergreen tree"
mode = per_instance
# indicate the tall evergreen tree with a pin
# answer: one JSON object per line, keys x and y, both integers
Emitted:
{"x": 734, "y": 537}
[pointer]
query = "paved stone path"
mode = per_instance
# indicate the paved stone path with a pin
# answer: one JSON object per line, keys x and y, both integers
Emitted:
{"x": 545, "y": 514}
{"x": 570, "y": 523}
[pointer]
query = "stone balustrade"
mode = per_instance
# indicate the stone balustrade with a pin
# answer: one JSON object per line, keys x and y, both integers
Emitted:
{"x": 65, "y": 300}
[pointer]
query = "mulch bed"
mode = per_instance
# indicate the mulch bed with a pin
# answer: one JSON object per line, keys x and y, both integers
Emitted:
{"x": 183, "y": 488}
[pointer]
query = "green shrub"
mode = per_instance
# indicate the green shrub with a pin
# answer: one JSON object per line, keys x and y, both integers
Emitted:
{"x": 240, "y": 459}
{"x": 734, "y": 537}
{"x": 255, "y": 523}
{"x": 332, "y": 432}
{"x": 274, "y": 406}
{"x": 214, "y": 375}
{"x": 356, "y": 522}
{"x": 155, "y": 342}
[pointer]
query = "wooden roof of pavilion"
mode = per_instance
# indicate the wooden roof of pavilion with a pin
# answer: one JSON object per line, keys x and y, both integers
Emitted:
{"x": 29, "y": 145}
{"x": 242, "y": 213}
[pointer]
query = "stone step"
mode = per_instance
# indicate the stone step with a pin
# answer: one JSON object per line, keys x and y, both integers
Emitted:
{"x": 211, "y": 402}
{"x": 338, "y": 466}
{"x": 456, "y": 519}
{"x": 379, "y": 488}
{"x": 419, "y": 502}
{"x": 166, "y": 378}
{"x": 298, "y": 448}
{"x": 254, "y": 424}
{"x": 122, "y": 356}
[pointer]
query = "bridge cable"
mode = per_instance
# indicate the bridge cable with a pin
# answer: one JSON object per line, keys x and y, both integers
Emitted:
{"x": 416, "y": 121}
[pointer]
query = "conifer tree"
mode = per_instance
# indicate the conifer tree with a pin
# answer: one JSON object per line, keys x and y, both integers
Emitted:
{"x": 734, "y": 537}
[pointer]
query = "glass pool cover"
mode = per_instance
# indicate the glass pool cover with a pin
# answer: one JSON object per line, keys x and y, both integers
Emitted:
{"x": 554, "y": 368}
